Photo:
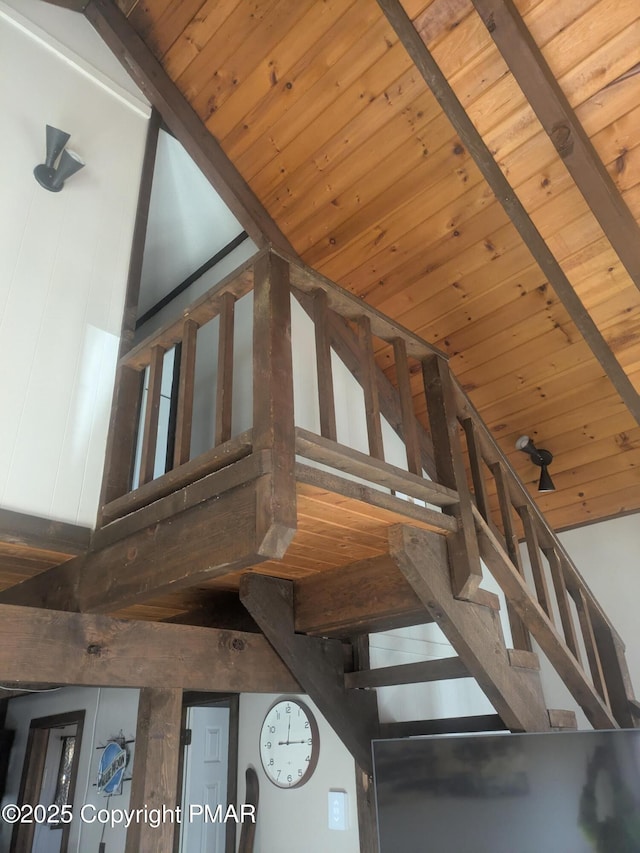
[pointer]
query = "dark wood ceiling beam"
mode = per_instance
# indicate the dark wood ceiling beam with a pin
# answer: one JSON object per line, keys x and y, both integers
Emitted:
{"x": 471, "y": 138}
{"x": 32, "y": 531}
{"x": 539, "y": 85}
{"x": 184, "y": 122}
{"x": 53, "y": 647}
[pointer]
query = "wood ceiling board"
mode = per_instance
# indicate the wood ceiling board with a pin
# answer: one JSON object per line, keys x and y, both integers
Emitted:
{"x": 279, "y": 69}
{"x": 301, "y": 69}
{"x": 366, "y": 66}
{"x": 234, "y": 68}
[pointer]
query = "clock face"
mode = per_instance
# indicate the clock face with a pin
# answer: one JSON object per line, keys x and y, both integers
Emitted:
{"x": 289, "y": 743}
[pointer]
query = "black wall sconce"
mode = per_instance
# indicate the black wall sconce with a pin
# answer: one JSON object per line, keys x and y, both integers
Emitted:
{"x": 49, "y": 176}
{"x": 542, "y": 458}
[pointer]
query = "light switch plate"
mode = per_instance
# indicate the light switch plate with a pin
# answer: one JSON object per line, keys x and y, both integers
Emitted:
{"x": 337, "y": 810}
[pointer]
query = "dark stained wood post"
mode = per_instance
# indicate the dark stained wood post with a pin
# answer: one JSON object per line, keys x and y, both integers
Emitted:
{"x": 155, "y": 768}
{"x": 590, "y": 644}
{"x": 409, "y": 422}
{"x": 326, "y": 399}
{"x": 535, "y": 558}
{"x": 519, "y": 634}
{"x": 464, "y": 556}
{"x": 370, "y": 388}
{"x": 152, "y": 410}
{"x": 273, "y": 415}
{"x": 184, "y": 417}
{"x": 562, "y": 600}
{"x": 122, "y": 435}
{"x": 224, "y": 388}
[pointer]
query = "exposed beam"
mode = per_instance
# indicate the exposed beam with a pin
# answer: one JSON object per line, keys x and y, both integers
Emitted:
{"x": 550, "y": 104}
{"x": 52, "y": 647}
{"x": 31, "y": 531}
{"x": 183, "y": 539}
{"x": 184, "y": 122}
{"x": 446, "y": 97}
{"x": 317, "y": 664}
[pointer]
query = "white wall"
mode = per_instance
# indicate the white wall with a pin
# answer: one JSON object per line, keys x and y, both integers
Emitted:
{"x": 63, "y": 258}
{"x": 295, "y": 820}
{"x": 107, "y": 712}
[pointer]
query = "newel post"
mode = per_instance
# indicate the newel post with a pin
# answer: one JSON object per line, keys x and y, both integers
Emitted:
{"x": 273, "y": 417}
{"x": 464, "y": 556}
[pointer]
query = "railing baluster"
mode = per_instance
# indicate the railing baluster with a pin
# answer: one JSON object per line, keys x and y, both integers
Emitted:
{"x": 562, "y": 598}
{"x": 326, "y": 401}
{"x": 477, "y": 474}
{"x": 185, "y": 394}
{"x": 590, "y": 645}
{"x": 152, "y": 410}
{"x": 464, "y": 555}
{"x": 224, "y": 387}
{"x": 370, "y": 387}
{"x": 537, "y": 568}
{"x": 409, "y": 425}
{"x": 519, "y": 634}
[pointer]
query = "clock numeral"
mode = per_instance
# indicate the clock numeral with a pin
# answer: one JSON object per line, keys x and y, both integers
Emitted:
{"x": 289, "y": 778}
{"x": 308, "y": 758}
{"x": 277, "y": 715}
{"x": 279, "y": 772}
{"x": 287, "y": 709}
{"x": 271, "y": 762}
{"x": 299, "y": 772}
{"x": 306, "y": 725}
{"x": 267, "y": 745}
{"x": 309, "y": 741}
{"x": 272, "y": 730}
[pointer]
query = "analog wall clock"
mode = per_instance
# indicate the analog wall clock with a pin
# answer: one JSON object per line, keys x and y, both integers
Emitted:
{"x": 289, "y": 743}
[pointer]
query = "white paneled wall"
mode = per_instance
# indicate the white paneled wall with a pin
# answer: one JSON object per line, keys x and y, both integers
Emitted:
{"x": 63, "y": 262}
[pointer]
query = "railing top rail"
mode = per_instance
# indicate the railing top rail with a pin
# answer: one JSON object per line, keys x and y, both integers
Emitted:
{"x": 521, "y": 497}
{"x": 239, "y": 282}
{"x": 351, "y": 307}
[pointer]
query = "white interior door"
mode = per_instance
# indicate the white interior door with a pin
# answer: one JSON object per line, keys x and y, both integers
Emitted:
{"x": 205, "y": 778}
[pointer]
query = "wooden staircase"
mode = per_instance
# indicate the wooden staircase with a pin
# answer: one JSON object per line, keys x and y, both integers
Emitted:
{"x": 325, "y": 543}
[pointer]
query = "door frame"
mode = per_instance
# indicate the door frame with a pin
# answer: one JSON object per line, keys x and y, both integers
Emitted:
{"x": 231, "y": 701}
{"x": 35, "y": 756}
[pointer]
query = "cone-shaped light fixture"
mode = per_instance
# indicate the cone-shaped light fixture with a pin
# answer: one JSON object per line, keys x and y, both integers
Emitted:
{"x": 539, "y": 457}
{"x": 47, "y": 175}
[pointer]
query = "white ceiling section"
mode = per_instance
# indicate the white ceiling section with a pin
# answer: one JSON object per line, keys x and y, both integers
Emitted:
{"x": 188, "y": 223}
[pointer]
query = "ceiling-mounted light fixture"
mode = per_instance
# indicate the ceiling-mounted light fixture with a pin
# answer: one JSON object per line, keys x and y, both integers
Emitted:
{"x": 47, "y": 175}
{"x": 542, "y": 458}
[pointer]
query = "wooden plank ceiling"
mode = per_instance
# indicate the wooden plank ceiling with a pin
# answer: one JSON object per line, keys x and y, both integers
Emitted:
{"x": 324, "y": 114}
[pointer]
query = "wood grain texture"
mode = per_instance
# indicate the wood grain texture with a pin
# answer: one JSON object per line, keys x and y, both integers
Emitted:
{"x": 101, "y": 651}
{"x": 154, "y": 782}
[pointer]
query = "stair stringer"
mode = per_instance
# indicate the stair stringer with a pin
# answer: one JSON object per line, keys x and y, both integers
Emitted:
{"x": 473, "y": 630}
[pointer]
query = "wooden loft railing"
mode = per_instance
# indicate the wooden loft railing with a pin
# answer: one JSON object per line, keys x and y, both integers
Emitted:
{"x": 463, "y": 461}
{"x": 568, "y": 624}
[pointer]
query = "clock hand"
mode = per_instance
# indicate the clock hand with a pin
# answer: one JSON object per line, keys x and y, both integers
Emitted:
{"x": 288, "y": 731}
